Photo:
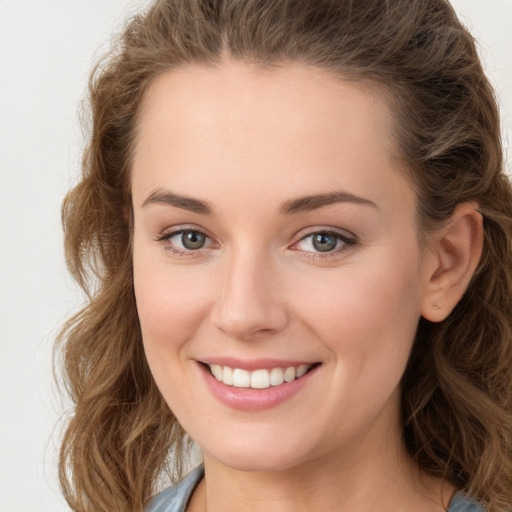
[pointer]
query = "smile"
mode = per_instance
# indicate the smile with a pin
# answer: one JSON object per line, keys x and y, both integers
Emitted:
{"x": 256, "y": 385}
{"x": 257, "y": 379}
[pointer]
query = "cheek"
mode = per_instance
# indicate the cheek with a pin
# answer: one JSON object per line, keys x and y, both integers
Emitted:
{"x": 170, "y": 302}
{"x": 366, "y": 314}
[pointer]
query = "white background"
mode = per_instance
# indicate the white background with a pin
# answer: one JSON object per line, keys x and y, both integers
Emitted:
{"x": 46, "y": 50}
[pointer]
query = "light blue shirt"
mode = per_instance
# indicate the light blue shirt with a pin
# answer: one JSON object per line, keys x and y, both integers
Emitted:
{"x": 176, "y": 498}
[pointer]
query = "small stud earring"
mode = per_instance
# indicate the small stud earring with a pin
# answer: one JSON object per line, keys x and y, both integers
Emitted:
{"x": 435, "y": 305}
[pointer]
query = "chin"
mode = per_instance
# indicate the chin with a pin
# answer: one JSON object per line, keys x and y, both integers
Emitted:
{"x": 258, "y": 456}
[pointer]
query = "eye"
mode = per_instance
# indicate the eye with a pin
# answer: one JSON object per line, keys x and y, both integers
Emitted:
{"x": 324, "y": 243}
{"x": 185, "y": 241}
{"x": 191, "y": 240}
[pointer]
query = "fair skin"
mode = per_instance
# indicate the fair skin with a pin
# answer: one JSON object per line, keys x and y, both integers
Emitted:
{"x": 230, "y": 268}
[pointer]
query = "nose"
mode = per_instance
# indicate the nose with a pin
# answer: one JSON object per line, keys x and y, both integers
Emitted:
{"x": 250, "y": 304}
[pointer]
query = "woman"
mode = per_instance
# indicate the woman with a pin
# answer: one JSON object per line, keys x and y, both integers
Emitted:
{"x": 294, "y": 230}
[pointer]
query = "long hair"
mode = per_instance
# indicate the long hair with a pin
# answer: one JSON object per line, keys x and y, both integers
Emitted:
{"x": 457, "y": 389}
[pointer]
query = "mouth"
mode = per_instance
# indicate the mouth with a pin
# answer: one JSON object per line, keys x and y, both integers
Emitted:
{"x": 262, "y": 378}
{"x": 257, "y": 385}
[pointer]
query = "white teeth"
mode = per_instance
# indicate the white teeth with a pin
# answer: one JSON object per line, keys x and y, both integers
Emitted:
{"x": 301, "y": 370}
{"x": 257, "y": 379}
{"x": 241, "y": 378}
{"x": 289, "y": 374}
{"x": 217, "y": 371}
{"x": 276, "y": 376}
{"x": 260, "y": 379}
{"x": 227, "y": 376}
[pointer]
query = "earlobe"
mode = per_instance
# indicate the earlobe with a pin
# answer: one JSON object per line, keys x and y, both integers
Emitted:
{"x": 453, "y": 259}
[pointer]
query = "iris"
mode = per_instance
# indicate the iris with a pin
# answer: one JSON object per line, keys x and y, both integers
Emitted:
{"x": 193, "y": 240}
{"x": 324, "y": 242}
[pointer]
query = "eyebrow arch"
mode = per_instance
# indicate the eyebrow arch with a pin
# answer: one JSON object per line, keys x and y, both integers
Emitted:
{"x": 310, "y": 203}
{"x": 186, "y": 203}
{"x": 301, "y": 204}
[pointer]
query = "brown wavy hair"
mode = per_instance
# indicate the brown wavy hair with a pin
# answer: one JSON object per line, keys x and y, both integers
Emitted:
{"x": 457, "y": 389}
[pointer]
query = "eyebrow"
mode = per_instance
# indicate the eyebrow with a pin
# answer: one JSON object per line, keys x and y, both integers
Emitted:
{"x": 310, "y": 203}
{"x": 299, "y": 205}
{"x": 183, "y": 202}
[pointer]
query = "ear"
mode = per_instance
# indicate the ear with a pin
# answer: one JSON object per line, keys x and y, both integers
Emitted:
{"x": 454, "y": 255}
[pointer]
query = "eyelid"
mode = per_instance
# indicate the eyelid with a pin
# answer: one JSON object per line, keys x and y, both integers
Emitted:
{"x": 342, "y": 233}
{"x": 325, "y": 229}
{"x": 180, "y": 228}
{"x": 165, "y": 236}
{"x": 349, "y": 241}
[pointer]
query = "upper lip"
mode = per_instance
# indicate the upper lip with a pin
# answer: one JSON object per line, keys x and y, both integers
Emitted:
{"x": 255, "y": 364}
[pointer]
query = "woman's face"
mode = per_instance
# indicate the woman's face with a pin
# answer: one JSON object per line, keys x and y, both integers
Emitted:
{"x": 274, "y": 234}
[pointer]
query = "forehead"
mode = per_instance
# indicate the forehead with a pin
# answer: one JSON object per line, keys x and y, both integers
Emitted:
{"x": 227, "y": 94}
{"x": 295, "y": 126}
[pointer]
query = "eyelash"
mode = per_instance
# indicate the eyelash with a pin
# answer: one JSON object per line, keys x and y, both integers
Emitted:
{"x": 348, "y": 242}
{"x": 166, "y": 237}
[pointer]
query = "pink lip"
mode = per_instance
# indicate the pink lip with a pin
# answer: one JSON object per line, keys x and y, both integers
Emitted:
{"x": 248, "y": 399}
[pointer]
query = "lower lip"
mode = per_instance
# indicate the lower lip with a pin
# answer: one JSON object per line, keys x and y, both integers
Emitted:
{"x": 248, "y": 399}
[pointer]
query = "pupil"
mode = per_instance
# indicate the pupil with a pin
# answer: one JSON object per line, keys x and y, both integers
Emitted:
{"x": 193, "y": 240}
{"x": 324, "y": 243}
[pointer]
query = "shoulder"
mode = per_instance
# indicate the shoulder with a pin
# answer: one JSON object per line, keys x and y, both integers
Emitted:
{"x": 463, "y": 503}
{"x": 175, "y": 498}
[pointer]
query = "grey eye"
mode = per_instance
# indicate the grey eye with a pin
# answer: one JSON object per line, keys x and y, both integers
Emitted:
{"x": 324, "y": 242}
{"x": 193, "y": 240}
